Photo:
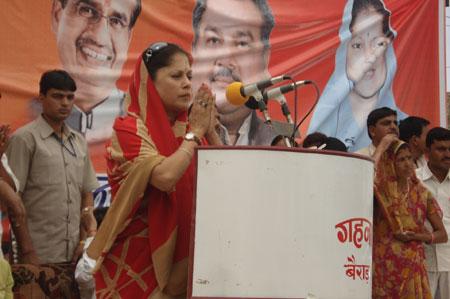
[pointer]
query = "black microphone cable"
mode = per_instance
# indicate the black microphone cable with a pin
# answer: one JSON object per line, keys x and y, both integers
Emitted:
{"x": 296, "y": 106}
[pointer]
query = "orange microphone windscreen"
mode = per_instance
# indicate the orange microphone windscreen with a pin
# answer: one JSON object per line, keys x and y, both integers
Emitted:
{"x": 233, "y": 94}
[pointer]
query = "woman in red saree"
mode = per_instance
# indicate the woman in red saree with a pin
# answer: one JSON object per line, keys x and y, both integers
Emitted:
{"x": 402, "y": 205}
{"x": 141, "y": 249}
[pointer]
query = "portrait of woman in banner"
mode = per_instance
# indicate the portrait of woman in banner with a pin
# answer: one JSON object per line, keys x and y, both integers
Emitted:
{"x": 365, "y": 66}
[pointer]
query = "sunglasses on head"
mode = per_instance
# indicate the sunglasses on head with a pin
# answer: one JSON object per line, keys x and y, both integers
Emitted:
{"x": 153, "y": 50}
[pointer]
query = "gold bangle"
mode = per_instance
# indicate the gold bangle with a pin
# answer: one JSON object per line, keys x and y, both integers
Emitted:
{"x": 82, "y": 242}
{"x": 186, "y": 151}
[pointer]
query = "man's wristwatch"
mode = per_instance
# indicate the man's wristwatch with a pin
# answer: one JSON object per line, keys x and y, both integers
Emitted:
{"x": 192, "y": 137}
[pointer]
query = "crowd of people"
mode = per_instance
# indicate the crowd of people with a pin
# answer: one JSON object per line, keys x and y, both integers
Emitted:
{"x": 411, "y": 217}
{"x": 411, "y": 255}
{"x": 140, "y": 250}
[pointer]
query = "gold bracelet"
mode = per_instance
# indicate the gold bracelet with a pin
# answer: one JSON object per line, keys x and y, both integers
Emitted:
{"x": 186, "y": 151}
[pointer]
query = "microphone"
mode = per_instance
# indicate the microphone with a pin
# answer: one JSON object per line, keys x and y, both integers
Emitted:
{"x": 237, "y": 93}
{"x": 274, "y": 93}
{"x": 277, "y": 94}
{"x": 252, "y": 103}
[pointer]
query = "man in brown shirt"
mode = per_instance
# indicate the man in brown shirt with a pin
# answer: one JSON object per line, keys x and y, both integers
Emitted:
{"x": 55, "y": 173}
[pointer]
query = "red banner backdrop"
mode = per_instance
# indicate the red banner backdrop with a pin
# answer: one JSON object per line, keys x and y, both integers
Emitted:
{"x": 305, "y": 41}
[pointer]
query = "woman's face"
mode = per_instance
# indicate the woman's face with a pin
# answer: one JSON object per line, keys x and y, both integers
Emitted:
{"x": 173, "y": 84}
{"x": 366, "y": 62}
{"x": 404, "y": 164}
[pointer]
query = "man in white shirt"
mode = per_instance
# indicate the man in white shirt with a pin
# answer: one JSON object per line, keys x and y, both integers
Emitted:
{"x": 92, "y": 38}
{"x": 435, "y": 176}
{"x": 414, "y": 130}
{"x": 231, "y": 43}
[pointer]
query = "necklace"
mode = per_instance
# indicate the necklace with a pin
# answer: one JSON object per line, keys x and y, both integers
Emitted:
{"x": 68, "y": 145}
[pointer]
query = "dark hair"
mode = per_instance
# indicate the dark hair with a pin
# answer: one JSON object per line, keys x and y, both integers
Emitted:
{"x": 401, "y": 147}
{"x": 377, "y": 114}
{"x": 276, "y": 140}
{"x": 437, "y": 134}
{"x": 334, "y": 144}
{"x": 314, "y": 139}
{"x": 279, "y": 138}
{"x": 57, "y": 79}
{"x": 134, "y": 14}
{"x": 162, "y": 57}
{"x": 412, "y": 126}
{"x": 378, "y": 6}
{"x": 263, "y": 6}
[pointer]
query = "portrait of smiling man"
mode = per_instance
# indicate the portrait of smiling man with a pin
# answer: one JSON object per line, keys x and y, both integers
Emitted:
{"x": 231, "y": 43}
{"x": 92, "y": 38}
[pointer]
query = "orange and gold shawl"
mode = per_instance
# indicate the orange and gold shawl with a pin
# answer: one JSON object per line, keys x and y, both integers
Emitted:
{"x": 142, "y": 246}
{"x": 398, "y": 267}
{"x": 393, "y": 203}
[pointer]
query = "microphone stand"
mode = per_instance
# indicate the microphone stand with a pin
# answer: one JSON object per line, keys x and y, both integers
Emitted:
{"x": 262, "y": 106}
{"x": 285, "y": 109}
{"x": 258, "y": 96}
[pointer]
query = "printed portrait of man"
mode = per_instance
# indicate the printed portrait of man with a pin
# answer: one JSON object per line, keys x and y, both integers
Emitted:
{"x": 92, "y": 38}
{"x": 231, "y": 43}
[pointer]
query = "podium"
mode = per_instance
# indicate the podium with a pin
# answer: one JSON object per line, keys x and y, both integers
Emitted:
{"x": 281, "y": 223}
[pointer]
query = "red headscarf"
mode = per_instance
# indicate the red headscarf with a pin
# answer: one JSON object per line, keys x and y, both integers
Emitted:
{"x": 392, "y": 201}
{"x": 140, "y": 142}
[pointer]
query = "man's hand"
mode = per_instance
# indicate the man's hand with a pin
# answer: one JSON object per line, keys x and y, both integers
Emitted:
{"x": 17, "y": 214}
{"x": 30, "y": 258}
{"x": 386, "y": 142}
{"x": 13, "y": 202}
{"x": 78, "y": 252}
{"x": 16, "y": 210}
{"x": 88, "y": 222}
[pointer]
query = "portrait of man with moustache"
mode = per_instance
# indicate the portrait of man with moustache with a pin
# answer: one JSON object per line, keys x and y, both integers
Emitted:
{"x": 231, "y": 43}
{"x": 92, "y": 38}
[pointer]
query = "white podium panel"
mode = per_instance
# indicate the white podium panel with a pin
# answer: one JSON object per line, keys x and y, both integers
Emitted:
{"x": 282, "y": 224}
